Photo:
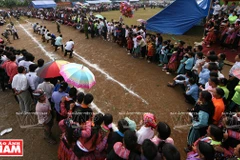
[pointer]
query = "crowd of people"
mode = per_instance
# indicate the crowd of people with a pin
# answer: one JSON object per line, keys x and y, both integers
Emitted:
{"x": 223, "y": 26}
{"x": 215, "y": 99}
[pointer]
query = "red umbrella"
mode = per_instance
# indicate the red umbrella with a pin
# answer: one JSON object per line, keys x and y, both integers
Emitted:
{"x": 51, "y": 69}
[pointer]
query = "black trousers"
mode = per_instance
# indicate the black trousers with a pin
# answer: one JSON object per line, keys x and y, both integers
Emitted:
{"x": 66, "y": 51}
{"x": 143, "y": 51}
{"x": 58, "y": 29}
{"x": 189, "y": 98}
{"x": 15, "y": 35}
{"x": 56, "y": 46}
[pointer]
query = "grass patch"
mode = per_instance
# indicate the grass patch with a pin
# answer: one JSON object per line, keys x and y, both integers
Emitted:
{"x": 140, "y": 14}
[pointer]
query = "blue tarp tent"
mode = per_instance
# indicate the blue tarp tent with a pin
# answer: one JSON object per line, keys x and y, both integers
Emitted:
{"x": 179, "y": 17}
{"x": 44, "y": 4}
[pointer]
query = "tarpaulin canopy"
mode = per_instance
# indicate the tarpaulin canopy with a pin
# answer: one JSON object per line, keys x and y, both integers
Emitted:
{"x": 179, "y": 17}
{"x": 44, "y": 4}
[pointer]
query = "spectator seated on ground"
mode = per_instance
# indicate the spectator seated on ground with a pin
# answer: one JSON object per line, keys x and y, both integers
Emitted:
{"x": 191, "y": 94}
{"x": 181, "y": 79}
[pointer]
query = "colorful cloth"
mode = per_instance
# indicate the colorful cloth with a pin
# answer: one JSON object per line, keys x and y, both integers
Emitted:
{"x": 121, "y": 151}
{"x": 149, "y": 120}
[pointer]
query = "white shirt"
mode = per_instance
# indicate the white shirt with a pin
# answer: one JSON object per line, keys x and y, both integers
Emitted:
{"x": 47, "y": 37}
{"x": 20, "y": 82}
{"x": 14, "y": 29}
{"x": 47, "y": 87}
{"x": 18, "y": 57}
{"x": 220, "y": 75}
{"x": 144, "y": 133}
{"x": 126, "y": 33}
{"x": 33, "y": 80}
{"x": 135, "y": 44}
{"x": 4, "y": 58}
{"x": 224, "y": 8}
{"x": 25, "y": 64}
{"x": 69, "y": 45}
{"x": 235, "y": 66}
{"x": 195, "y": 67}
{"x": 216, "y": 9}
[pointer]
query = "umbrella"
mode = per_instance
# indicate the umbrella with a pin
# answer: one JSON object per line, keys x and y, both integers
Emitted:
{"x": 141, "y": 20}
{"x": 78, "y": 75}
{"x": 78, "y": 3}
{"x": 236, "y": 73}
{"x": 99, "y": 16}
{"x": 51, "y": 69}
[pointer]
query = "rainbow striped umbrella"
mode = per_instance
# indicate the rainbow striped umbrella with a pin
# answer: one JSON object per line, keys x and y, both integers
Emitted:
{"x": 78, "y": 75}
{"x": 51, "y": 69}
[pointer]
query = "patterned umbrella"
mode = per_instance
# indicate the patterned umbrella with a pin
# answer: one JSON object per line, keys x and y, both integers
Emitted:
{"x": 99, "y": 16}
{"x": 141, "y": 20}
{"x": 78, "y": 75}
{"x": 236, "y": 72}
{"x": 51, "y": 69}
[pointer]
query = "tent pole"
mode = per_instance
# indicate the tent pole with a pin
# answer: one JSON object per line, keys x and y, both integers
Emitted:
{"x": 209, "y": 10}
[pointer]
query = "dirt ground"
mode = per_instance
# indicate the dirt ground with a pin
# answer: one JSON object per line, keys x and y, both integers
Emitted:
{"x": 147, "y": 80}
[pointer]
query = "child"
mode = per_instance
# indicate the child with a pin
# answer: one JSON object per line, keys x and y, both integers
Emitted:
{"x": 106, "y": 128}
{"x": 221, "y": 58}
{"x": 117, "y": 136}
{"x": 136, "y": 47}
{"x": 151, "y": 51}
{"x": 163, "y": 54}
{"x": 173, "y": 63}
{"x": 205, "y": 151}
{"x": 150, "y": 150}
{"x": 80, "y": 149}
{"x": 164, "y": 132}
{"x": 147, "y": 130}
{"x": 130, "y": 45}
{"x": 125, "y": 150}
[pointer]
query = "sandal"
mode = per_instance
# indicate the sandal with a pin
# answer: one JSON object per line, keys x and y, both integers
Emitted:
{"x": 51, "y": 141}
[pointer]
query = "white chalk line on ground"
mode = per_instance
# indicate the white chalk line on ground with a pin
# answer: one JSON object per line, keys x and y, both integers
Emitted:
{"x": 93, "y": 105}
{"x": 50, "y": 55}
{"x": 95, "y": 66}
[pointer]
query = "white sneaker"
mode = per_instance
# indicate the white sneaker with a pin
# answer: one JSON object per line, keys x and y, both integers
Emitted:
{"x": 5, "y": 131}
{"x": 167, "y": 72}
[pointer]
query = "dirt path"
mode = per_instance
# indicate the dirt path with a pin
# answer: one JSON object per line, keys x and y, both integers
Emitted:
{"x": 146, "y": 80}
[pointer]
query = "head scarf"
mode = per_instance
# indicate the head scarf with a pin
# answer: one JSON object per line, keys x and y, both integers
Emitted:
{"x": 149, "y": 120}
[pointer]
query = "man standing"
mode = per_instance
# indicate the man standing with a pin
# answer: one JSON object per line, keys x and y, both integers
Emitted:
{"x": 43, "y": 111}
{"x": 58, "y": 42}
{"x": 69, "y": 48}
{"x": 216, "y": 9}
{"x": 20, "y": 87}
{"x": 58, "y": 26}
{"x": 11, "y": 67}
{"x": 35, "y": 26}
{"x": 85, "y": 27}
{"x": 56, "y": 99}
{"x": 33, "y": 79}
{"x": 14, "y": 32}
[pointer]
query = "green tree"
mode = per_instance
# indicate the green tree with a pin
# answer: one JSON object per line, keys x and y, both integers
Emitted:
{"x": 9, "y": 3}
